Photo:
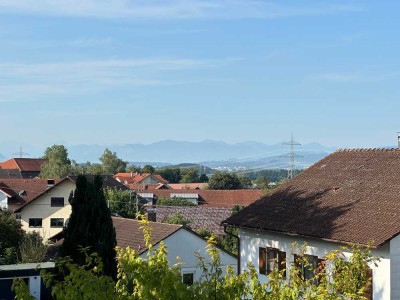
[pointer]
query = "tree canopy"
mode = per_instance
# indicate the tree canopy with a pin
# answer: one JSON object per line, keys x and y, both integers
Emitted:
{"x": 11, "y": 235}
{"x": 90, "y": 225}
{"x": 58, "y": 165}
{"x": 111, "y": 164}
{"x": 224, "y": 181}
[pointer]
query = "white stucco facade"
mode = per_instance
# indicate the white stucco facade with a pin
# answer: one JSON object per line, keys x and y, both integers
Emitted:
{"x": 182, "y": 246}
{"x": 385, "y": 275}
{"x": 41, "y": 209}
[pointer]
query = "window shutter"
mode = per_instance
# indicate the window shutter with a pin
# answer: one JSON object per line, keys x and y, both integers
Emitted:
{"x": 369, "y": 290}
{"x": 282, "y": 262}
{"x": 262, "y": 260}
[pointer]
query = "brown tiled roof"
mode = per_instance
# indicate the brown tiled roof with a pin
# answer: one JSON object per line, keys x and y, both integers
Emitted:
{"x": 349, "y": 196}
{"x": 129, "y": 233}
{"x": 24, "y": 164}
{"x": 216, "y": 198}
{"x": 32, "y": 188}
{"x": 10, "y": 173}
{"x": 200, "y": 217}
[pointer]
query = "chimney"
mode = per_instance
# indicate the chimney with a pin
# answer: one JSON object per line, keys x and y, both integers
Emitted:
{"x": 398, "y": 139}
{"x": 151, "y": 215}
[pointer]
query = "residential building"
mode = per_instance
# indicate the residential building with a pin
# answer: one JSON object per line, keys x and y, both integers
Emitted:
{"x": 26, "y": 167}
{"x": 182, "y": 244}
{"x": 16, "y": 192}
{"x": 351, "y": 196}
{"x": 48, "y": 212}
{"x": 142, "y": 181}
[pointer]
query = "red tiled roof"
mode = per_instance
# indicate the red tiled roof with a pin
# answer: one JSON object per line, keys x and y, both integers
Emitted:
{"x": 136, "y": 178}
{"x": 128, "y": 233}
{"x": 201, "y": 217}
{"x": 349, "y": 196}
{"x": 216, "y": 198}
{"x": 24, "y": 164}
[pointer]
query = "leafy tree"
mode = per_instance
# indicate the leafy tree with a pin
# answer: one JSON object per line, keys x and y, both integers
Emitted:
{"x": 189, "y": 175}
{"x": 58, "y": 165}
{"x": 123, "y": 203}
{"x": 262, "y": 182}
{"x": 148, "y": 169}
{"x": 132, "y": 169}
{"x": 177, "y": 218}
{"x": 11, "y": 235}
{"x": 90, "y": 226}
{"x": 224, "y": 181}
{"x": 174, "y": 202}
{"x": 203, "y": 178}
{"x": 111, "y": 164}
{"x": 172, "y": 175}
{"x": 245, "y": 182}
{"x": 31, "y": 248}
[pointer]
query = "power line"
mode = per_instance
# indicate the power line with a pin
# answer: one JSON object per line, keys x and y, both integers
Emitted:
{"x": 20, "y": 153}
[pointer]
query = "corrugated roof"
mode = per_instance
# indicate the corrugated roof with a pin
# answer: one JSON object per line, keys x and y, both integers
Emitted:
{"x": 349, "y": 196}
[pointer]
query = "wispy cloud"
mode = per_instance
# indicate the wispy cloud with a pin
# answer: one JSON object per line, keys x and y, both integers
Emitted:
{"x": 360, "y": 76}
{"x": 91, "y": 41}
{"x": 71, "y": 78}
{"x": 173, "y": 9}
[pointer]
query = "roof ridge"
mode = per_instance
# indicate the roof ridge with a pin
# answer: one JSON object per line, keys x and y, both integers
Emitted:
{"x": 366, "y": 149}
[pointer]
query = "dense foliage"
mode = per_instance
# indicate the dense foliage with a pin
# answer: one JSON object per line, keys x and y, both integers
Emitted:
{"x": 178, "y": 218}
{"x": 123, "y": 203}
{"x": 111, "y": 164}
{"x": 224, "y": 181}
{"x": 90, "y": 225}
{"x": 58, "y": 165}
{"x": 32, "y": 248}
{"x": 174, "y": 202}
{"x": 11, "y": 236}
{"x": 153, "y": 279}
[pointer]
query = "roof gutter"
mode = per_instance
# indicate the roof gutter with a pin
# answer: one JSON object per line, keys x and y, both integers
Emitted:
{"x": 302, "y": 235}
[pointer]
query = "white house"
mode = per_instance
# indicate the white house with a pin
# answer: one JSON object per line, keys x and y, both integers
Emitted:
{"x": 351, "y": 196}
{"x": 180, "y": 241}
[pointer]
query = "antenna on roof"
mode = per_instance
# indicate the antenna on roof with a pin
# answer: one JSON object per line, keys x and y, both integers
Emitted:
{"x": 292, "y": 155}
{"x": 20, "y": 153}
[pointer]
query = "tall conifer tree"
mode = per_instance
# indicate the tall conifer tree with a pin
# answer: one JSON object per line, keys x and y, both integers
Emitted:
{"x": 90, "y": 225}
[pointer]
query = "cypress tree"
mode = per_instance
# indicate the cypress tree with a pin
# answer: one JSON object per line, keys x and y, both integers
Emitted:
{"x": 90, "y": 225}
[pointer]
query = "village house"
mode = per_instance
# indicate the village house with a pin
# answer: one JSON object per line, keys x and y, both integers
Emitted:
{"x": 182, "y": 244}
{"x": 351, "y": 196}
{"x": 21, "y": 167}
{"x": 142, "y": 181}
{"x": 49, "y": 211}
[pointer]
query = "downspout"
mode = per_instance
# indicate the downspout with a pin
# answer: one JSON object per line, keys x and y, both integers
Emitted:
{"x": 238, "y": 240}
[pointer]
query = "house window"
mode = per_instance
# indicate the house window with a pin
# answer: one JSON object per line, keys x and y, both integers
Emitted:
{"x": 187, "y": 278}
{"x": 18, "y": 217}
{"x": 35, "y": 222}
{"x": 57, "y": 222}
{"x": 269, "y": 258}
{"x": 309, "y": 270}
{"x": 57, "y": 201}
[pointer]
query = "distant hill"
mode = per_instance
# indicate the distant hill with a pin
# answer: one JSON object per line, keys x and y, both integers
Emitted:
{"x": 201, "y": 168}
{"x": 213, "y": 154}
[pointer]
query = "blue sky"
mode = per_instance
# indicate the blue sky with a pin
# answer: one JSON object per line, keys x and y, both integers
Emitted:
{"x": 120, "y": 71}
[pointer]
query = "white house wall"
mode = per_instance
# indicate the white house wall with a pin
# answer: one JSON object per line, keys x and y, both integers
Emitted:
{"x": 184, "y": 244}
{"x": 251, "y": 241}
{"x": 395, "y": 267}
{"x": 41, "y": 208}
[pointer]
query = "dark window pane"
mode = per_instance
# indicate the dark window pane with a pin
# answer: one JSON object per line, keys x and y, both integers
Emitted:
{"x": 35, "y": 222}
{"x": 57, "y": 222}
{"x": 187, "y": 278}
{"x": 57, "y": 201}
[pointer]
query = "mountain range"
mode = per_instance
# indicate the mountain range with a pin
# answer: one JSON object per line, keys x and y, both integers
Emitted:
{"x": 215, "y": 154}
